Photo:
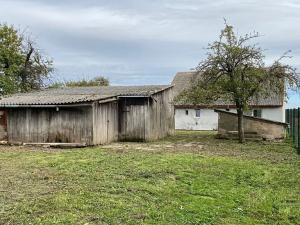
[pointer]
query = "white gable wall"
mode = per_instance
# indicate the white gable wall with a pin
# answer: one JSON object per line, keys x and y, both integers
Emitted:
{"x": 208, "y": 119}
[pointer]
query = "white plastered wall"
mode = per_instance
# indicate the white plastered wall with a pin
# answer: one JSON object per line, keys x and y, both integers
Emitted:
{"x": 208, "y": 119}
{"x": 276, "y": 114}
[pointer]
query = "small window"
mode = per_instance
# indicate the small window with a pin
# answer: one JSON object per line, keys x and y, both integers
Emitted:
{"x": 197, "y": 112}
{"x": 257, "y": 113}
{"x": 227, "y": 109}
{"x": 186, "y": 112}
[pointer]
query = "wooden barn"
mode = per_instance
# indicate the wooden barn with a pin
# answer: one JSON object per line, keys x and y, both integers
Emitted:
{"x": 88, "y": 115}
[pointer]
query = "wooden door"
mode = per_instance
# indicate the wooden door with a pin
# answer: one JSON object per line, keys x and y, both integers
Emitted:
{"x": 132, "y": 119}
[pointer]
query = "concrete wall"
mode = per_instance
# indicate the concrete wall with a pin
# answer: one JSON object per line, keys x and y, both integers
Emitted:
{"x": 228, "y": 122}
{"x": 208, "y": 119}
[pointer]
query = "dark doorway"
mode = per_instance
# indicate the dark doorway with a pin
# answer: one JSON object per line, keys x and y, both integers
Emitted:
{"x": 3, "y": 125}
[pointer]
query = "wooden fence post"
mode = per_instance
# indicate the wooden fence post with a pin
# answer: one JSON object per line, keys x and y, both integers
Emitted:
{"x": 291, "y": 122}
{"x": 287, "y": 120}
{"x": 298, "y": 149}
{"x": 292, "y": 117}
{"x": 295, "y": 125}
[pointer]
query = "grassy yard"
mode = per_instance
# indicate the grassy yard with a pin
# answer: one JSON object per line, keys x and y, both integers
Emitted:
{"x": 190, "y": 178}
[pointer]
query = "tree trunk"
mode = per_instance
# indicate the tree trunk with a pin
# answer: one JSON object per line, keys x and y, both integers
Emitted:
{"x": 241, "y": 125}
{"x": 24, "y": 71}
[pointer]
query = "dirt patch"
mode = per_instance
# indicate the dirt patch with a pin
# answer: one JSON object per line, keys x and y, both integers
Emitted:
{"x": 250, "y": 151}
{"x": 28, "y": 148}
{"x": 163, "y": 147}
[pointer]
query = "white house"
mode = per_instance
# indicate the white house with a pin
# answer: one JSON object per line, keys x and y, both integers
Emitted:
{"x": 203, "y": 117}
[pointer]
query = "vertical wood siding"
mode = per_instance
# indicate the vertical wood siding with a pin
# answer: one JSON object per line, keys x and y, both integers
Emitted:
{"x": 132, "y": 121}
{"x": 46, "y": 125}
{"x": 105, "y": 122}
{"x": 146, "y": 118}
{"x": 161, "y": 115}
{"x": 129, "y": 118}
{"x": 3, "y": 125}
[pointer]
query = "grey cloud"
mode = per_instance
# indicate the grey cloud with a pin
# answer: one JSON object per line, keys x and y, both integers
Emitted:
{"x": 142, "y": 41}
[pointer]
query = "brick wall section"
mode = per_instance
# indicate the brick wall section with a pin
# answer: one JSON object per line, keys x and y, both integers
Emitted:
{"x": 268, "y": 129}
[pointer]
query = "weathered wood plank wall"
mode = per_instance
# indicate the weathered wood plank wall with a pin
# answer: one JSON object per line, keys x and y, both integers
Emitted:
{"x": 47, "y": 125}
{"x": 129, "y": 118}
{"x": 143, "y": 119}
{"x": 161, "y": 115}
{"x": 3, "y": 125}
{"x": 132, "y": 119}
{"x": 105, "y": 122}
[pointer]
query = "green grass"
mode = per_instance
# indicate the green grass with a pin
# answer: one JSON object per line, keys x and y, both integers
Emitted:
{"x": 190, "y": 178}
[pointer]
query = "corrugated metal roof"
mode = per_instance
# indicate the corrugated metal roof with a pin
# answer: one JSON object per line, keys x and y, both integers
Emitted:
{"x": 183, "y": 81}
{"x": 78, "y": 94}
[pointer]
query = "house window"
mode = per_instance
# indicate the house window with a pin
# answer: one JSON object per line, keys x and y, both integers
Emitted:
{"x": 198, "y": 113}
{"x": 186, "y": 112}
{"x": 257, "y": 113}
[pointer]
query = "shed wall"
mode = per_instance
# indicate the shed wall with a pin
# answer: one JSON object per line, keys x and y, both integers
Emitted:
{"x": 146, "y": 118}
{"x": 128, "y": 118}
{"x": 133, "y": 119}
{"x": 105, "y": 122}
{"x": 3, "y": 125}
{"x": 47, "y": 125}
{"x": 229, "y": 122}
{"x": 161, "y": 115}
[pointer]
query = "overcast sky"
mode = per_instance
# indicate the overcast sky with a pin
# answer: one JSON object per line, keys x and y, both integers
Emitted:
{"x": 148, "y": 41}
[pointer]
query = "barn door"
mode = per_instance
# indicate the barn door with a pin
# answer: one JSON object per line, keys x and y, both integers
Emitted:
{"x": 3, "y": 125}
{"x": 133, "y": 119}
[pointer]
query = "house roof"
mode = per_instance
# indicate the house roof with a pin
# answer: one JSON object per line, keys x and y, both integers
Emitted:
{"x": 71, "y": 95}
{"x": 183, "y": 81}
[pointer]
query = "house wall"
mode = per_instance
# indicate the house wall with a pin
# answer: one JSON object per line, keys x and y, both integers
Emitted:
{"x": 264, "y": 128}
{"x": 105, "y": 122}
{"x": 47, "y": 125}
{"x": 208, "y": 119}
{"x": 276, "y": 114}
